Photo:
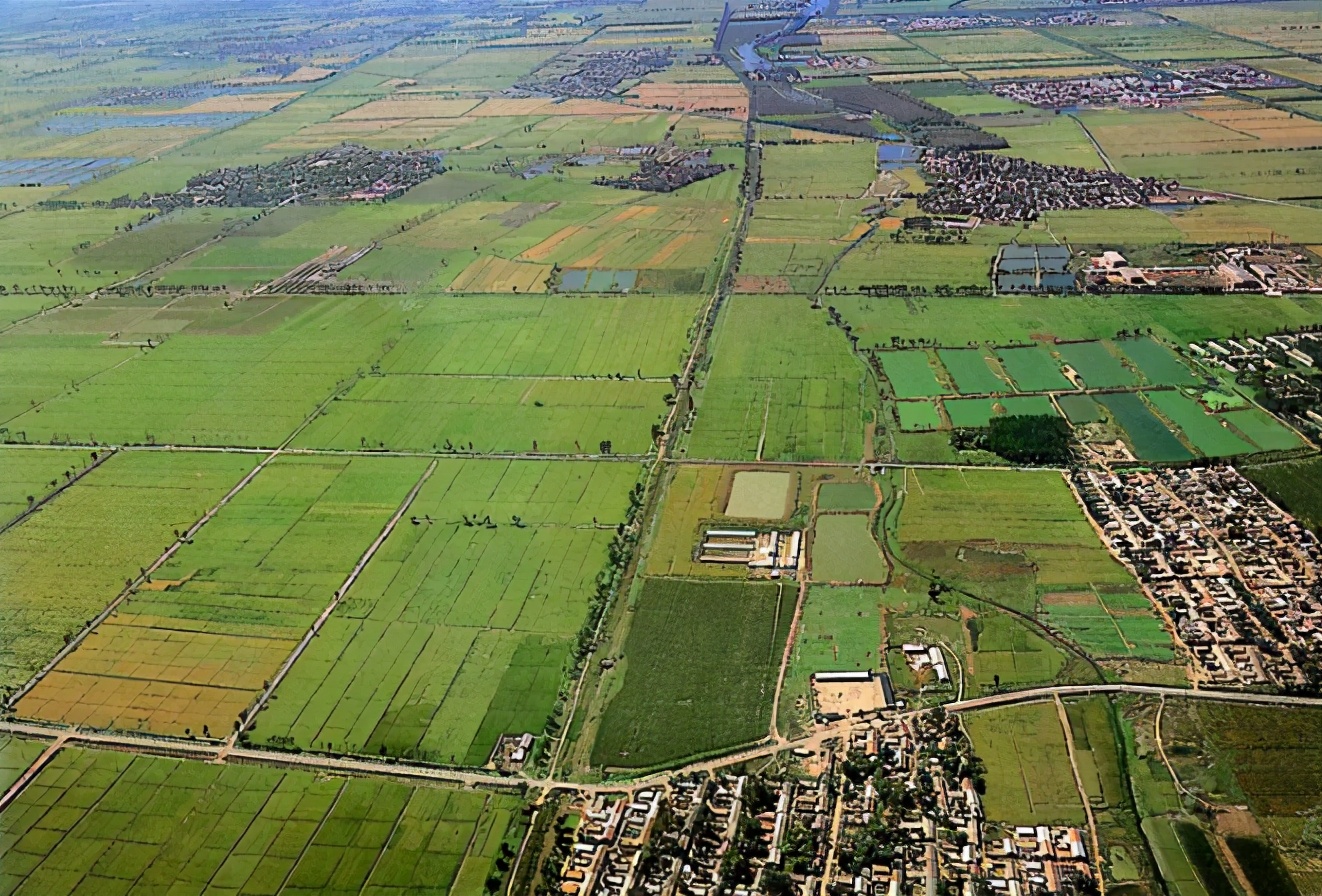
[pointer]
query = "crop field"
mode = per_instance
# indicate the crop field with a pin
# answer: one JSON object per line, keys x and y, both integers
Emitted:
{"x": 844, "y": 551}
{"x": 1033, "y": 369}
{"x": 1149, "y": 437}
{"x": 783, "y": 386}
{"x": 459, "y": 629}
{"x": 214, "y": 389}
{"x": 999, "y": 516}
{"x": 16, "y": 755}
{"x": 970, "y": 371}
{"x": 1294, "y": 485}
{"x": 1096, "y": 365}
{"x": 1028, "y": 771}
{"x": 95, "y": 822}
{"x": 998, "y": 46}
{"x": 426, "y": 412}
{"x": 27, "y": 475}
{"x": 532, "y": 337}
{"x": 1206, "y": 431}
{"x": 699, "y": 670}
{"x": 840, "y": 630}
{"x": 122, "y": 515}
{"x": 911, "y": 374}
{"x": 192, "y": 648}
{"x": 696, "y": 495}
{"x": 1107, "y": 624}
{"x": 979, "y": 411}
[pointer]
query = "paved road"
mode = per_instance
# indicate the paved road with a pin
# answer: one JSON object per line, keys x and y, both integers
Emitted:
{"x": 214, "y": 751}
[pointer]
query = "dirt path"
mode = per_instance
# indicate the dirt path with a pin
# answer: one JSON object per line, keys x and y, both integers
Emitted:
{"x": 1083, "y": 796}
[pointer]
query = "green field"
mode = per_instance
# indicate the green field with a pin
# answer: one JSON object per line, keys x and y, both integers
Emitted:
{"x": 911, "y": 374}
{"x": 458, "y": 633}
{"x": 1028, "y": 771}
{"x": 195, "y": 647}
{"x": 28, "y": 476}
{"x": 1147, "y": 434}
{"x": 1033, "y": 369}
{"x": 699, "y": 668}
{"x": 783, "y": 386}
{"x": 1294, "y": 485}
{"x": 969, "y": 369}
{"x": 843, "y": 550}
{"x": 97, "y": 822}
{"x": 122, "y": 516}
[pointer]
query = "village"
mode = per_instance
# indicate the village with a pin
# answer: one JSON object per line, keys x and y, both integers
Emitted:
{"x": 1285, "y": 369}
{"x": 1003, "y": 188}
{"x": 595, "y": 75}
{"x": 891, "y": 807}
{"x": 1236, "y": 578}
{"x": 1155, "y": 92}
{"x": 348, "y": 172}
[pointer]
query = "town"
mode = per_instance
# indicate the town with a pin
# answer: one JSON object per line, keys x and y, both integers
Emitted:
{"x": 1003, "y": 188}
{"x": 1169, "y": 88}
{"x": 889, "y": 807}
{"x": 1236, "y": 578}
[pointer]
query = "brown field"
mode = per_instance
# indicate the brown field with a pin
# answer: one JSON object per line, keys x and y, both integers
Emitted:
{"x": 726, "y": 99}
{"x": 491, "y": 274}
{"x": 134, "y": 676}
{"x": 1069, "y": 599}
{"x": 408, "y": 108}
{"x": 543, "y": 250}
{"x": 1273, "y": 128}
{"x": 249, "y": 102}
{"x": 306, "y": 74}
{"x": 756, "y": 285}
{"x": 669, "y": 251}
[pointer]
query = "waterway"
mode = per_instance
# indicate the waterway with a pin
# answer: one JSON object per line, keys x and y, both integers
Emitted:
{"x": 752, "y": 61}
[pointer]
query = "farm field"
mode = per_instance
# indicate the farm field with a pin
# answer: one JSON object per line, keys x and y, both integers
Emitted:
{"x": 191, "y": 650}
{"x": 719, "y": 695}
{"x": 461, "y": 626}
{"x": 783, "y": 386}
{"x": 1295, "y": 486}
{"x": 843, "y": 550}
{"x": 1028, "y": 772}
{"x": 27, "y": 476}
{"x": 98, "y": 821}
{"x": 840, "y": 631}
{"x": 122, "y": 515}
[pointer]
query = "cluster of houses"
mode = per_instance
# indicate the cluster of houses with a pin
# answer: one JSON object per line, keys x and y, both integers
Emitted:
{"x": 1134, "y": 89}
{"x": 1286, "y": 368}
{"x": 512, "y": 752}
{"x": 348, "y": 172}
{"x": 1236, "y": 577}
{"x": 773, "y": 553}
{"x": 890, "y": 808}
{"x": 1003, "y": 188}
{"x": 596, "y": 75}
{"x": 667, "y": 171}
{"x": 986, "y": 20}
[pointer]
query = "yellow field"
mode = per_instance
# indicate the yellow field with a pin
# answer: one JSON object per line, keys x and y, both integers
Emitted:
{"x": 408, "y": 107}
{"x": 492, "y": 274}
{"x": 903, "y": 77}
{"x": 134, "y": 142}
{"x": 516, "y": 108}
{"x": 727, "y": 99}
{"x": 669, "y": 251}
{"x": 543, "y": 250}
{"x": 1290, "y": 26}
{"x": 135, "y": 676}
{"x": 860, "y": 39}
{"x": 248, "y": 102}
{"x": 1273, "y": 128}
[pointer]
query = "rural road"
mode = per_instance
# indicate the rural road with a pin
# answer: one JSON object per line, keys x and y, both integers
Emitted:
{"x": 217, "y": 752}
